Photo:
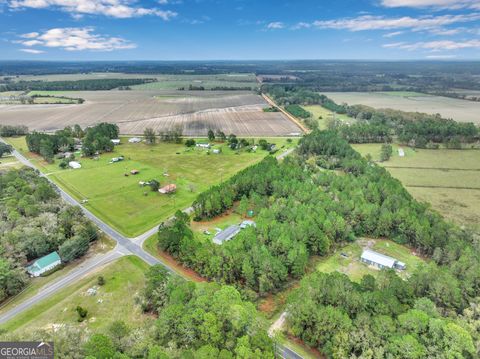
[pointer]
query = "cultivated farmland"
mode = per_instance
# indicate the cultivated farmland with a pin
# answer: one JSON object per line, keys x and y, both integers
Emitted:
{"x": 459, "y": 110}
{"x": 196, "y": 112}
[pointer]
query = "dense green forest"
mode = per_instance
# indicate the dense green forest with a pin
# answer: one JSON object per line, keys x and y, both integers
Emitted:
{"x": 78, "y": 85}
{"x": 200, "y": 321}
{"x": 93, "y": 139}
{"x": 35, "y": 221}
{"x": 378, "y": 318}
{"x": 304, "y": 208}
{"x": 378, "y": 126}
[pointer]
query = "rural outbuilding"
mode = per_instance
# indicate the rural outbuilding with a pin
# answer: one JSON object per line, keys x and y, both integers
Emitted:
{"x": 401, "y": 152}
{"x": 116, "y": 141}
{"x": 134, "y": 172}
{"x": 44, "y": 264}
{"x": 134, "y": 140}
{"x": 74, "y": 164}
{"x": 381, "y": 261}
{"x": 226, "y": 235}
{"x": 170, "y": 188}
{"x": 247, "y": 223}
{"x": 203, "y": 145}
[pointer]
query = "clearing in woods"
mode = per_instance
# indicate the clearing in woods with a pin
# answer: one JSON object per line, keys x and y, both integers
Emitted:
{"x": 447, "y": 179}
{"x": 120, "y": 201}
{"x": 322, "y": 115}
{"x": 347, "y": 259}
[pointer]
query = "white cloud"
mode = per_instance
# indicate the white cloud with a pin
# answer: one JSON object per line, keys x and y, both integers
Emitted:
{"x": 393, "y": 34}
{"x": 441, "y": 45}
{"x": 275, "y": 25}
{"x": 112, "y": 8}
{"x": 75, "y": 39}
{"x": 32, "y": 51}
{"x": 301, "y": 25}
{"x": 368, "y": 22}
{"x": 435, "y": 4}
{"x": 441, "y": 57}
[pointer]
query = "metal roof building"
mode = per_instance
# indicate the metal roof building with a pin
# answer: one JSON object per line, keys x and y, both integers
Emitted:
{"x": 44, "y": 264}
{"x": 377, "y": 259}
{"x": 226, "y": 235}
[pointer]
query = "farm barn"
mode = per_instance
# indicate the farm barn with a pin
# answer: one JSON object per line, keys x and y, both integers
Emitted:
{"x": 381, "y": 261}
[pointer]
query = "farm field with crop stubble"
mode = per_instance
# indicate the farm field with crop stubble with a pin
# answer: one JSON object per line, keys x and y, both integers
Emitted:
{"x": 447, "y": 179}
{"x": 236, "y": 112}
{"x": 459, "y": 110}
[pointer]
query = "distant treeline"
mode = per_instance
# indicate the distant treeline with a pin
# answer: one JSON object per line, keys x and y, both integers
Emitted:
{"x": 79, "y": 85}
{"x": 11, "y": 131}
{"x": 416, "y": 129}
{"x": 216, "y": 88}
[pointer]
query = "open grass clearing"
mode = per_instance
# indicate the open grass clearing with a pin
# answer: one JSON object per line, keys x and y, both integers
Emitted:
{"x": 120, "y": 201}
{"x": 459, "y": 110}
{"x": 124, "y": 279}
{"x": 447, "y": 179}
{"x": 347, "y": 259}
{"x": 102, "y": 245}
{"x": 323, "y": 115}
{"x": 9, "y": 162}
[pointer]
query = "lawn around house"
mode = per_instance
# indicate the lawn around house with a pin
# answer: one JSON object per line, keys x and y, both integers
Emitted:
{"x": 124, "y": 279}
{"x": 121, "y": 202}
{"x": 347, "y": 259}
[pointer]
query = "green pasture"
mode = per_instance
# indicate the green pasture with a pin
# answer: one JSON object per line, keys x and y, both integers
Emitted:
{"x": 349, "y": 263}
{"x": 130, "y": 208}
{"x": 318, "y": 111}
{"x": 173, "y": 82}
{"x": 124, "y": 279}
{"x": 447, "y": 179}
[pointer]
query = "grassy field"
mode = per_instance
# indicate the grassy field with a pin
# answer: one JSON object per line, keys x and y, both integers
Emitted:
{"x": 9, "y": 162}
{"x": 122, "y": 202}
{"x": 123, "y": 280}
{"x": 459, "y": 110}
{"x": 351, "y": 265}
{"x": 447, "y": 179}
{"x": 173, "y": 82}
{"x": 318, "y": 111}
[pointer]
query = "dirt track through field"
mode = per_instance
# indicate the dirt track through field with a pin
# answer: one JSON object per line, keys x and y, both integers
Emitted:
{"x": 196, "y": 112}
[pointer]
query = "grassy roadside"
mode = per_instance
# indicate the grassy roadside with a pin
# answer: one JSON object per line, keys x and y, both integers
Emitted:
{"x": 124, "y": 278}
{"x": 102, "y": 245}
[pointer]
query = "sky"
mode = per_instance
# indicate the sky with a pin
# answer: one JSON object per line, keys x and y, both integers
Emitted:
{"x": 77, "y": 30}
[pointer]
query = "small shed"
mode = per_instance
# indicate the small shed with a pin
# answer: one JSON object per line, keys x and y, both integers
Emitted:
{"x": 134, "y": 172}
{"x": 134, "y": 140}
{"x": 247, "y": 223}
{"x": 401, "y": 152}
{"x": 74, "y": 164}
{"x": 170, "y": 188}
{"x": 226, "y": 235}
{"x": 116, "y": 141}
{"x": 44, "y": 264}
{"x": 203, "y": 145}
